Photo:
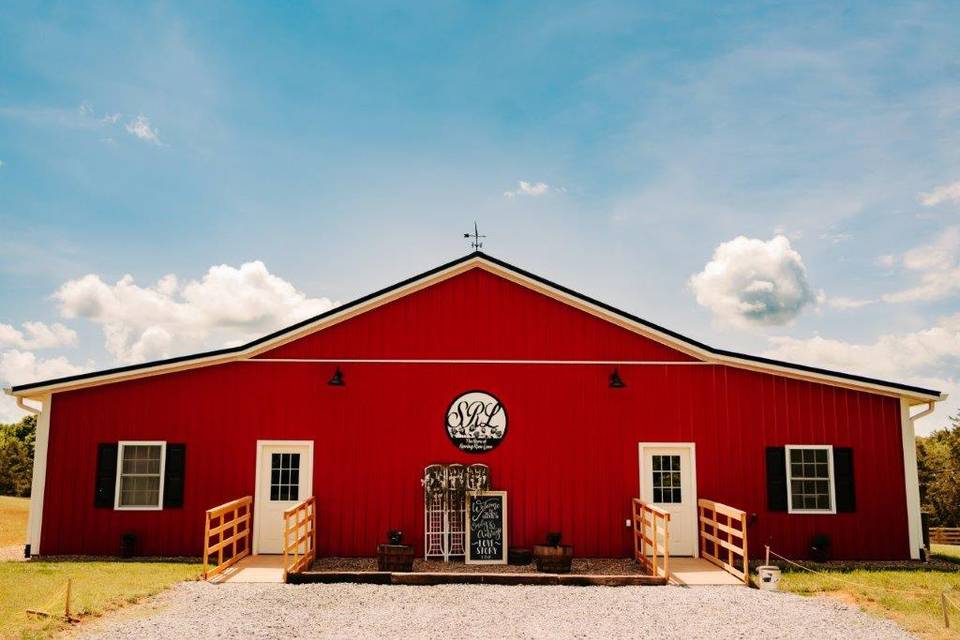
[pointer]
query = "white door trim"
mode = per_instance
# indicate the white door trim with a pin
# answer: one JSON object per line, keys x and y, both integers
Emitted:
{"x": 256, "y": 491}
{"x": 692, "y": 446}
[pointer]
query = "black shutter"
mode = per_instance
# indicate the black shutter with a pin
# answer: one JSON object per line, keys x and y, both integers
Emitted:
{"x": 106, "y": 481}
{"x": 173, "y": 473}
{"x": 843, "y": 480}
{"x": 776, "y": 479}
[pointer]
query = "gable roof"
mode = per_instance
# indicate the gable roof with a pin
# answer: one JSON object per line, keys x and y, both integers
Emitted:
{"x": 477, "y": 259}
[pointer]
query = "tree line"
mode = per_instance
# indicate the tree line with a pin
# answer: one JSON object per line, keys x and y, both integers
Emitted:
{"x": 938, "y": 465}
{"x": 16, "y": 456}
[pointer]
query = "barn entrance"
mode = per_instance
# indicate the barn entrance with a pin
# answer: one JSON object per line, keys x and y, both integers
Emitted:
{"x": 284, "y": 478}
{"x": 668, "y": 481}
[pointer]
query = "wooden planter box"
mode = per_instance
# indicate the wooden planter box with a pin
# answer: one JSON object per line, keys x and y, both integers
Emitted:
{"x": 395, "y": 557}
{"x": 553, "y": 559}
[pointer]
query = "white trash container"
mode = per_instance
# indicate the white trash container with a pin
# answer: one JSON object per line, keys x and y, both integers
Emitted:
{"x": 769, "y": 577}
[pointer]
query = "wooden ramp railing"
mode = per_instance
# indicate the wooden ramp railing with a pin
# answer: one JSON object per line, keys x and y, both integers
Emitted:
{"x": 944, "y": 535}
{"x": 723, "y": 533}
{"x": 228, "y": 548}
{"x": 299, "y": 536}
{"x": 651, "y": 538}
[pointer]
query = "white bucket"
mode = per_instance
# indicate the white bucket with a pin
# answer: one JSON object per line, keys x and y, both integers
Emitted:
{"x": 769, "y": 577}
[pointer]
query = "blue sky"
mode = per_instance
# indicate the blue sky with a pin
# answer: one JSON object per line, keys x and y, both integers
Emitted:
{"x": 347, "y": 146}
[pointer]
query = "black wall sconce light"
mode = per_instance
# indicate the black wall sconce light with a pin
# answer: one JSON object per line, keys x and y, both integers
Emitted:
{"x": 337, "y": 379}
{"x": 615, "y": 381}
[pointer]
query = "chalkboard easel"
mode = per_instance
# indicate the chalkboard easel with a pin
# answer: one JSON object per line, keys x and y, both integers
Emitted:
{"x": 486, "y": 527}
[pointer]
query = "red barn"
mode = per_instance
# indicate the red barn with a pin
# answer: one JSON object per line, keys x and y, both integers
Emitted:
{"x": 602, "y": 406}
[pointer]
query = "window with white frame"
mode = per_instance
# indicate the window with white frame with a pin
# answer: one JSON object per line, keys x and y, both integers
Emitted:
{"x": 666, "y": 479}
{"x": 810, "y": 481}
{"x": 140, "y": 475}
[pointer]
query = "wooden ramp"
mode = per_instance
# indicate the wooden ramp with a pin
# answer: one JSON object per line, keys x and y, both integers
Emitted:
{"x": 697, "y": 572}
{"x": 253, "y": 569}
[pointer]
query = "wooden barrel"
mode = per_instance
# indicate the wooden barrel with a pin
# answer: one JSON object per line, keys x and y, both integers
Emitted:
{"x": 517, "y": 556}
{"x": 395, "y": 557}
{"x": 553, "y": 559}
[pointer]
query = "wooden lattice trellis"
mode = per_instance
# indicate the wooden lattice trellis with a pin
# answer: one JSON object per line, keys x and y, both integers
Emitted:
{"x": 444, "y": 491}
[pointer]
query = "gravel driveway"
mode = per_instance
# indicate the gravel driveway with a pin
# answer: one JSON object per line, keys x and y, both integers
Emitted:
{"x": 201, "y": 610}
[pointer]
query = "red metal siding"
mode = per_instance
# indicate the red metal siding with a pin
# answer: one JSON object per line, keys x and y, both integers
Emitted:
{"x": 569, "y": 460}
{"x": 477, "y": 315}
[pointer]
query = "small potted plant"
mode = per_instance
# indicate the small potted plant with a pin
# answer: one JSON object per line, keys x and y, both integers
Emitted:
{"x": 128, "y": 544}
{"x": 553, "y": 557}
{"x": 820, "y": 547}
{"x": 395, "y": 556}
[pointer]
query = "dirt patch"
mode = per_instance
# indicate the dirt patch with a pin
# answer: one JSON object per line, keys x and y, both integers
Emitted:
{"x": 12, "y": 553}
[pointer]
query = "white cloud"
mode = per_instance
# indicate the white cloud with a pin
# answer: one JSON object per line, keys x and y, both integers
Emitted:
{"x": 85, "y": 117}
{"x": 939, "y": 267}
{"x": 140, "y": 127}
{"x": 944, "y": 193}
{"x": 753, "y": 282}
{"x": 941, "y": 254}
{"x": 525, "y": 188}
{"x": 892, "y": 355}
{"x": 227, "y": 306}
{"x": 37, "y": 335}
{"x": 886, "y": 260}
{"x": 835, "y": 238}
{"x": 841, "y": 302}
{"x": 20, "y": 367}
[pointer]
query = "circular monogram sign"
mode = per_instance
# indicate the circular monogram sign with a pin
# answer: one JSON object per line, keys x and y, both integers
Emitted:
{"x": 476, "y": 421}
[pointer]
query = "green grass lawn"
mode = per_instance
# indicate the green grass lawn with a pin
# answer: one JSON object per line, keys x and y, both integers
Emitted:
{"x": 13, "y": 520}
{"x": 911, "y": 598}
{"x": 946, "y": 551}
{"x": 98, "y": 587}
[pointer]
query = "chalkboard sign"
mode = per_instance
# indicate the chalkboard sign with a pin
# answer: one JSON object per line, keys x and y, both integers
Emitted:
{"x": 486, "y": 527}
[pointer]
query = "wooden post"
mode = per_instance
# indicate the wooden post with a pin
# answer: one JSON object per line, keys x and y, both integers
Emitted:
{"x": 66, "y": 609}
{"x": 746, "y": 553}
{"x": 656, "y": 542}
{"x": 233, "y": 532}
{"x": 946, "y": 612}
{"x": 701, "y": 541}
{"x": 220, "y": 543}
{"x": 206, "y": 544}
{"x": 636, "y": 545}
{"x": 731, "y": 532}
{"x": 666, "y": 547}
{"x": 286, "y": 546}
{"x": 313, "y": 536}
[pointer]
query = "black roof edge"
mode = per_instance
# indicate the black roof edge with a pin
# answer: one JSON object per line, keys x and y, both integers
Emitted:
{"x": 509, "y": 267}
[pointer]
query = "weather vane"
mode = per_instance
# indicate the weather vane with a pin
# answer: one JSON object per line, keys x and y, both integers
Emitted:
{"x": 475, "y": 236}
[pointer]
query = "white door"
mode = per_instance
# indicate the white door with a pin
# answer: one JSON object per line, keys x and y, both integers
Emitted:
{"x": 667, "y": 480}
{"x": 284, "y": 478}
